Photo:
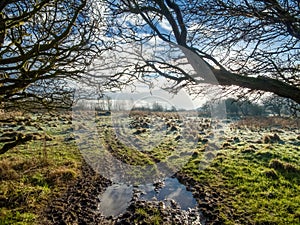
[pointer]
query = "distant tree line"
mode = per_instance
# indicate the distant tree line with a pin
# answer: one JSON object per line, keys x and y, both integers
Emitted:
{"x": 155, "y": 107}
{"x": 270, "y": 106}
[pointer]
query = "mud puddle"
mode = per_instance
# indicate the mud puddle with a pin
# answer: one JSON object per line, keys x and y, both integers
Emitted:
{"x": 117, "y": 197}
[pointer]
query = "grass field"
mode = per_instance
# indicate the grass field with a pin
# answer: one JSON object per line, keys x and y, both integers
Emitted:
{"x": 253, "y": 177}
{"x": 37, "y": 171}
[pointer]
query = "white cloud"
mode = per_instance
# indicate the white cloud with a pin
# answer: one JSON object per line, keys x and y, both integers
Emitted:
{"x": 165, "y": 25}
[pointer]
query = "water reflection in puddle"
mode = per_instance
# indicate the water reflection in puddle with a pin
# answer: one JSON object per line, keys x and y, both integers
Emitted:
{"x": 117, "y": 197}
{"x": 115, "y": 200}
{"x": 172, "y": 189}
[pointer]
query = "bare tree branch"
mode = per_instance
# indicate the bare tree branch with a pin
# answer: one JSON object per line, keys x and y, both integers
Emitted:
{"x": 45, "y": 40}
{"x": 249, "y": 44}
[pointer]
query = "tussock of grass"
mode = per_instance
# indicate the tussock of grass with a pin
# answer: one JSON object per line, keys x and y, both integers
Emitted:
{"x": 226, "y": 145}
{"x": 248, "y": 150}
{"x": 270, "y": 173}
{"x": 291, "y": 168}
{"x": 7, "y": 172}
{"x": 277, "y": 164}
{"x": 271, "y": 139}
{"x": 265, "y": 154}
{"x": 283, "y": 166}
{"x": 61, "y": 175}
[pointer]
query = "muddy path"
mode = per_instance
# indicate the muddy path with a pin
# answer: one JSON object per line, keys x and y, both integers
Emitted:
{"x": 80, "y": 205}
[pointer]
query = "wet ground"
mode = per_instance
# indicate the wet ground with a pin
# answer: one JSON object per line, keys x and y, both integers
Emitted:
{"x": 117, "y": 204}
{"x": 118, "y": 197}
{"x": 179, "y": 199}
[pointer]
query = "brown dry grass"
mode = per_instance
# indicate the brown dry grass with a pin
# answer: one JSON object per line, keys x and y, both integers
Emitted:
{"x": 269, "y": 122}
{"x": 61, "y": 175}
{"x": 10, "y": 115}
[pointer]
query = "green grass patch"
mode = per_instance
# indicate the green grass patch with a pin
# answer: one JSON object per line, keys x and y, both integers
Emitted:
{"x": 123, "y": 152}
{"x": 32, "y": 174}
{"x": 148, "y": 215}
{"x": 257, "y": 187}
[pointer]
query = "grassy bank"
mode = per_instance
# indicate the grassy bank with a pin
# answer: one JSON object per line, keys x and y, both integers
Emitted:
{"x": 35, "y": 172}
{"x": 251, "y": 184}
